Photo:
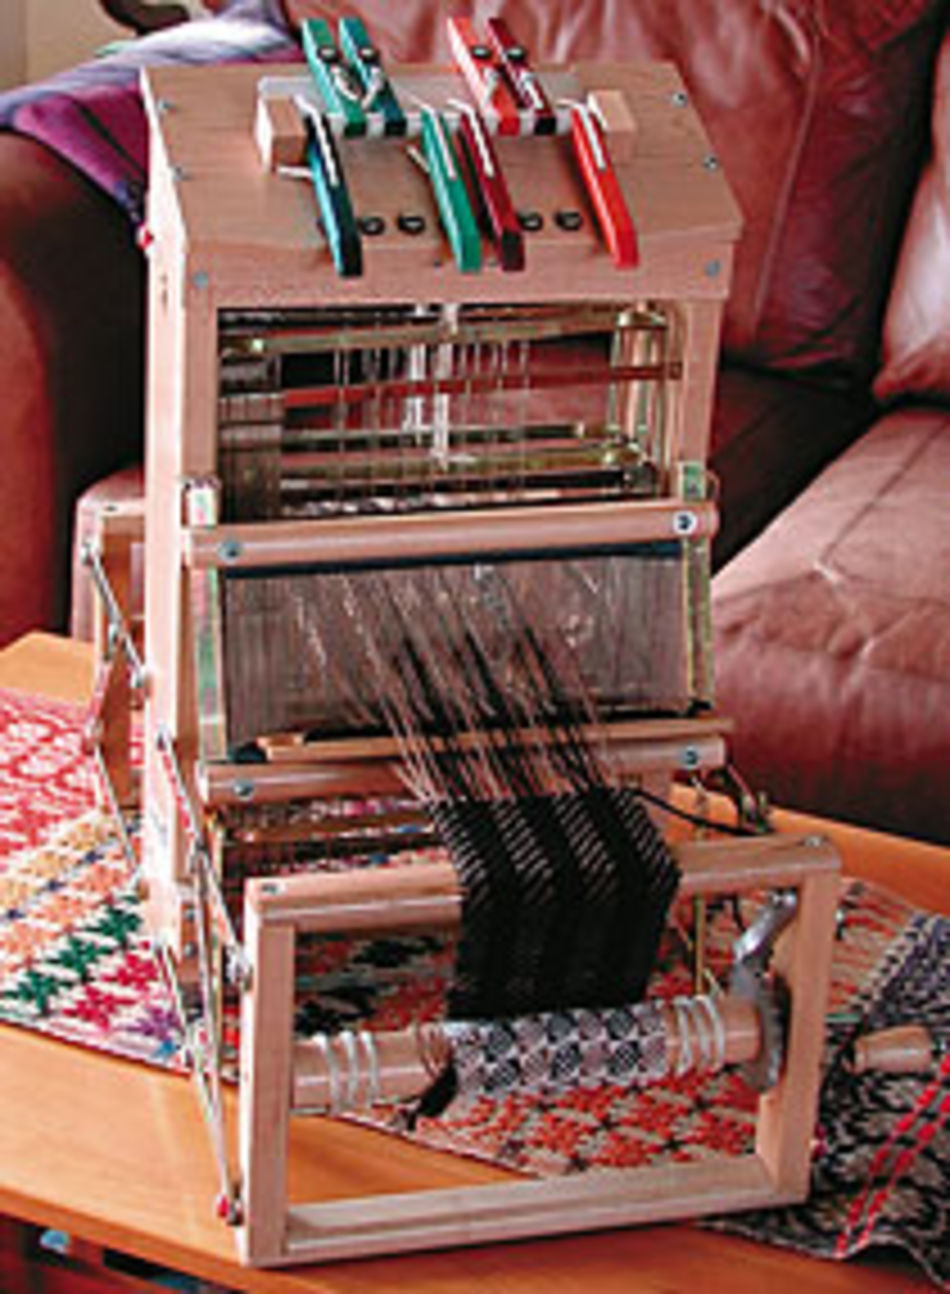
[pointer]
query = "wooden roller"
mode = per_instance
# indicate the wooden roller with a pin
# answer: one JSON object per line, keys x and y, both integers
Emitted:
{"x": 355, "y": 1070}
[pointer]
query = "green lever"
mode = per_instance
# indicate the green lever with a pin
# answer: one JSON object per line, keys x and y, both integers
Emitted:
{"x": 458, "y": 220}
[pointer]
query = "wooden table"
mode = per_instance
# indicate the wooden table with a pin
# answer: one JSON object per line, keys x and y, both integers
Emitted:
{"x": 116, "y": 1153}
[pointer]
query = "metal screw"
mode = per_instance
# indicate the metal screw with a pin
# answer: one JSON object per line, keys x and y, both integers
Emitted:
{"x": 200, "y": 279}
{"x": 684, "y": 523}
{"x": 679, "y": 98}
{"x": 712, "y": 269}
{"x": 690, "y": 757}
{"x": 163, "y": 105}
{"x": 178, "y": 174}
{"x": 243, "y": 790}
{"x": 711, "y": 162}
{"x": 229, "y": 550}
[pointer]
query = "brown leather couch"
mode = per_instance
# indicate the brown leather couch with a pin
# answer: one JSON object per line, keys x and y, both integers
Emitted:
{"x": 832, "y": 595}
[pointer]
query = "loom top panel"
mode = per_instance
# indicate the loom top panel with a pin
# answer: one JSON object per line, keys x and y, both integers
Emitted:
{"x": 252, "y": 236}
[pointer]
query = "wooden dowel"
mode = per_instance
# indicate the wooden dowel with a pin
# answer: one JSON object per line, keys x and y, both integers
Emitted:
{"x": 398, "y": 899}
{"x": 905, "y": 1049}
{"x": 348, "y": 766}
{"x": 430, "y": 536}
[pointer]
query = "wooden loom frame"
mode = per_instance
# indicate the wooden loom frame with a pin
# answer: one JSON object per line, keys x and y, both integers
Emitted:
{"x": 227, "y": 236}
{"x": 414, "y": 899}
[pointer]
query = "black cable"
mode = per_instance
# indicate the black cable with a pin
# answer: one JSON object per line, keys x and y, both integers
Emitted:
{"x": 696, "y": 819}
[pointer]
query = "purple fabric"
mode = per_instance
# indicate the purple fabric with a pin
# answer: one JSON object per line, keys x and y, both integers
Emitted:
{"x": 102, "y": 131}
{"x": 92, "y": 114}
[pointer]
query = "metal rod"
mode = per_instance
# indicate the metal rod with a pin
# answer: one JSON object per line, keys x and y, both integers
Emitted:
{"x": 199, "y": 852}
{"x": 407, "y": 388}
{"x": 115, "y": 809}
{"x": 118, "y": 627}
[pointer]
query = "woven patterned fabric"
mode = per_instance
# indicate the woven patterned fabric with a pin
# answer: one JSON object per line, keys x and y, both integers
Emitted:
{"x": 883, "y": 1174}
{"x": 561, "y": 1049}
{"x": 44, "y": 778}
{"x": 564, "y": 899}
{"x": 75, "y": 960}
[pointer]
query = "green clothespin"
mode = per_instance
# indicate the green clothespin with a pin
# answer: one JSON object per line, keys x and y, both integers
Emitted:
{"x": 340, "y": 90}
{"x": 367, "y": 66}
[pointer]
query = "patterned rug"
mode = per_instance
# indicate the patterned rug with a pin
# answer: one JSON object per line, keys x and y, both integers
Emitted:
{"x": 75, "y": 963}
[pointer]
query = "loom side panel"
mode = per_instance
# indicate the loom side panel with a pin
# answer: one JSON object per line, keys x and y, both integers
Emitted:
{"x": 692, "y": 397}
{"x": 786, "y": 1125}
{"x": 266, "y": 1056}
{"x": 180, "y": 443}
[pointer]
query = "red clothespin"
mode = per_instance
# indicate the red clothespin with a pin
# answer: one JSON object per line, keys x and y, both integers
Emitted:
{"x": 603, "y": 187}
{"x": 484, "y": 76}
{"x": 490, "y": 181}
{"x": 528, "y": 91}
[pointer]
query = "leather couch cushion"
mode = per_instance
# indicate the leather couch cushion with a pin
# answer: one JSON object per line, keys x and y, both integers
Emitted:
{"x": 818, "y": 111}
{"x": 916, "y": 344}
{"x": 833, "y": 637}
{"x": 70, "y": 369}
{"x": 771, "y": 434}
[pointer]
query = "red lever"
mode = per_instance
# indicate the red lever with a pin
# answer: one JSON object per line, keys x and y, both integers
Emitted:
{"x": 603, "y": 187}
{"x": 487, "y": 172}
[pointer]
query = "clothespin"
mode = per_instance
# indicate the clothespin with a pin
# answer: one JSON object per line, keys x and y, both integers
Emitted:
{"x": 329, "y": 182}
{"x": 527, "y": 89}
{"x": 365, "y": 60}
{"x": 339, "y": 88}
{"x": 490, "y": 181}
{"x": 484, "y": 76}
{"x": 603, "y": 187}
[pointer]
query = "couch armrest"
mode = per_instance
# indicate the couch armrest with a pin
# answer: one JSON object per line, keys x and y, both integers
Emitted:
{"x": 71, "y": 303}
